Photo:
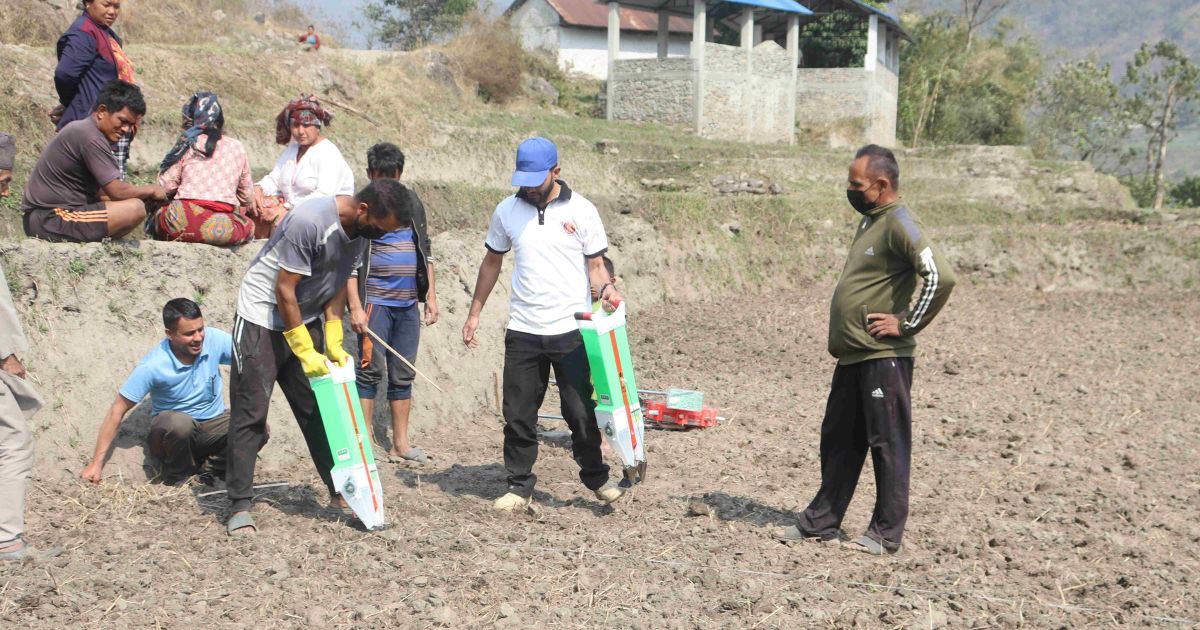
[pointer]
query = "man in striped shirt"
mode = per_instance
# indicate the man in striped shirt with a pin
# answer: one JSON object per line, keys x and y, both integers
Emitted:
{"x": 872, "y": 326}
{"x": 384, "y": 296}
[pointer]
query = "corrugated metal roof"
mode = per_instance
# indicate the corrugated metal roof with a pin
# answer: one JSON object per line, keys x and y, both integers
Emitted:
{"x": 592, "y": 14}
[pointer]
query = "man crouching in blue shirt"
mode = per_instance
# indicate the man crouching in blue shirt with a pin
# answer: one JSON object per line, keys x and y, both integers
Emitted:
{"x": 183, "y": 378}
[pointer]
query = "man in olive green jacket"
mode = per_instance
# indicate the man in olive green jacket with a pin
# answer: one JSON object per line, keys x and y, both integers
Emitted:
{"x": 873, "y": 321}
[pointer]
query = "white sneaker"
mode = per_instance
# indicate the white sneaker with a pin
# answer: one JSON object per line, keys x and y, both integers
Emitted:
{"x": 609, "y": 492}
{"x": 510, "y": 502}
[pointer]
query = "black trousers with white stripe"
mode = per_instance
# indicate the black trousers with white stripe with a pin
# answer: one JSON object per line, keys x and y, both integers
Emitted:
{"x": 262, "y": 358}
{"x": 869, "y": 408}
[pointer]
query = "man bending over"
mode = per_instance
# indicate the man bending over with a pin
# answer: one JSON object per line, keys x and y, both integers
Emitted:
{"x": 291, "y": 302}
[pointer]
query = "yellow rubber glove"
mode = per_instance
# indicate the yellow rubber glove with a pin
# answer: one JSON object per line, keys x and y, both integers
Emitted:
{"x": 301, "y": 344}
{"x": 333, "y": 344}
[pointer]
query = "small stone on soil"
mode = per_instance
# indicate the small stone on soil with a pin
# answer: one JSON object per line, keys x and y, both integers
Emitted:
{"x": 445, "y": 617}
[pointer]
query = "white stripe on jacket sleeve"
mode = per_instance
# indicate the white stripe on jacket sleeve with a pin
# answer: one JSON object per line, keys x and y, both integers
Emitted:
{"x": 930, "y": 273}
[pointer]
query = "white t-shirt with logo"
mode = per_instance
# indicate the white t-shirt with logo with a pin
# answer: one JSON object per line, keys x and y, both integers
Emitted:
{"x": 550, "y": 278}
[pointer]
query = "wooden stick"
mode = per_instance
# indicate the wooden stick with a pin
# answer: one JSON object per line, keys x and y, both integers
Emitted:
{"x": 258, "y": 487}
{"x": 496, "y": 391}
{"x": 406, "y": 361}
{"x": 327, "y": 99}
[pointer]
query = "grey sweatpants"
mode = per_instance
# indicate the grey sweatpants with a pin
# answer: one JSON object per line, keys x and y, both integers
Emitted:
{"x": 18, "y": 402}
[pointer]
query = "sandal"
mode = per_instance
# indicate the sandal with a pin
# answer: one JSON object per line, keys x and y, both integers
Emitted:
{"x": 347, "y": 512}
{"x": 28, "y": 552}
{"x": 869, "y": 545}
{"x": 241, "y": 524}
{"x": 413, "y": 454}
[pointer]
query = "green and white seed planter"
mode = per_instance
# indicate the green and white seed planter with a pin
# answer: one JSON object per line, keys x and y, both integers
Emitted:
{"x": 618, "y": 410}
{"x": 355, "y": 475}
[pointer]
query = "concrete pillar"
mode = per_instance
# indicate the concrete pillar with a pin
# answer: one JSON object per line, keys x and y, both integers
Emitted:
{"x": 882, "y": 47}
{"x": 793, "y": 39}
{"x": 614, "y": 32}
{"x": 748, "y": 28}
{"x": 895, "y": 48}
{"x": 758, "y": 34}
{"x": 748, "y": 111}
{"x": 793, "y": 49}
{"x": 872, "y": 43}
{"x": 664, "y": 35}
{"x": 614, "y": 49}
{"x": 699, "y": 37}
{"x": 699, "y": 28}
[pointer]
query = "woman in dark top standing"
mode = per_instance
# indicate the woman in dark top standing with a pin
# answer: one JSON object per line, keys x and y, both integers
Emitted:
{"x": 89, "y": 56}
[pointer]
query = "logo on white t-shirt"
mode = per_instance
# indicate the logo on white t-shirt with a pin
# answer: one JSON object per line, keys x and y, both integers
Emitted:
{"x": 550, "y": 278}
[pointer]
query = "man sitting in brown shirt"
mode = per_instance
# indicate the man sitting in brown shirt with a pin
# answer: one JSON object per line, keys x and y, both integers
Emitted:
{"x": 75, "y": 192}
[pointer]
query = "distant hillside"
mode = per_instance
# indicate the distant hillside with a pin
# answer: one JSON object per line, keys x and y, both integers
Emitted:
{"x": 1112, "y": 29}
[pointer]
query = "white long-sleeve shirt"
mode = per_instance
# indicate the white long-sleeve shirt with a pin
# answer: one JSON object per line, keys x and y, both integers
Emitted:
{"x": 322, "y": 172}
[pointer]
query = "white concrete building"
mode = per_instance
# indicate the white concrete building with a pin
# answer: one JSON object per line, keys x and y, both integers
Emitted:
{"x": 575, "y": 33}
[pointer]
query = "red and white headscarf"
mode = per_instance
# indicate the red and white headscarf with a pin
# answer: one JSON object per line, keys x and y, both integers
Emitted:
{"x": 305, "y": 110}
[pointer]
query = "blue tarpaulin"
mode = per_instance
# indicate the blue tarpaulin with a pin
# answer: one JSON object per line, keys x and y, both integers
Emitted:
{"x": 783, "y": 6}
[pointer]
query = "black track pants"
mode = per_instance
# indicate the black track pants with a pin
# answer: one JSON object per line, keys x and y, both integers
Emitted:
{"x": 869, "y": 408}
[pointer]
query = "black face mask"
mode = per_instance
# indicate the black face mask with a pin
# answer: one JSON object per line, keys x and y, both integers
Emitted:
{"x": 369, "y": 232}
{"x": 858, "y": 200}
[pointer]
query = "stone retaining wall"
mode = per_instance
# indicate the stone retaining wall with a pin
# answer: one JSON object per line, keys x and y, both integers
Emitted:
{"x": 747, "y": 96}
{"x": 747, "y": 106}
{"x": 828, "y": 96}
{"x": 654, "y": 90}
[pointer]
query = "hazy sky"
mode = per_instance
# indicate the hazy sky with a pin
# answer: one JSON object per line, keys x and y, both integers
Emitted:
{"x": 344, "y": 12}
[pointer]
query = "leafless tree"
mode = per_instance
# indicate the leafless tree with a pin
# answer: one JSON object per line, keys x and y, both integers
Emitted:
{"x": 977, "y": 13}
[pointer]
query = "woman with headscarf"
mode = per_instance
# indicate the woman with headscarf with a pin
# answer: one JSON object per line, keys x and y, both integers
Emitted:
{"x": 208, "y": 175}
{"x": 89, "y": 56}
{"x": 311, "y": 166}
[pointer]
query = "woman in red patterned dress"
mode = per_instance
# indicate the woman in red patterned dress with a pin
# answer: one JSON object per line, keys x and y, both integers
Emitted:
{"x": 207, "y": 174}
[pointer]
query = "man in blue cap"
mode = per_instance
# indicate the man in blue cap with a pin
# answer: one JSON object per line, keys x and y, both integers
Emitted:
{"x": 558, "y": 242}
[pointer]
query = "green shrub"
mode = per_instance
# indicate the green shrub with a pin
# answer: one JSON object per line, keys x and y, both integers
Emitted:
{"x": 1141, "y": 188}
{"x": 1186, "y": 194}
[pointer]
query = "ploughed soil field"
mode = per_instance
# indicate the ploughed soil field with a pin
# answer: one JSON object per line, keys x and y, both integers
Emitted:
{"x": 1055, "y": 484}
